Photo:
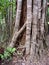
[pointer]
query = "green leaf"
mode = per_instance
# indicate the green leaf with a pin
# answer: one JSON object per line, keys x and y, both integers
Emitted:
{"x": 2, "y": 56}
{"x": 6, "y": 54}
{"x": 9, "y": 49}
{"x": 13, "y": 50}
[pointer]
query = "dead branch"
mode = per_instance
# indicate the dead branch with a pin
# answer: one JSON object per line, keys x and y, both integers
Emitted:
{"x": 16, "y": 34}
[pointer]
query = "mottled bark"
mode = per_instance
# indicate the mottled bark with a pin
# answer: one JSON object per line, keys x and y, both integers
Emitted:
{"x": 28, "y": 25}
{"x": 43, "y": 43}
{"x": 34, "y": 28}
{"x": 17, "y": 22}
{"x": 18, "y": 14}
{"x": 39, "y": 42}
{"x": 16, "y": 34}
{"x": 7, "y": 25}
{"x": 11, "y": 18}
{"x": 43, "y": 17}
{"x": 22, "y": 21}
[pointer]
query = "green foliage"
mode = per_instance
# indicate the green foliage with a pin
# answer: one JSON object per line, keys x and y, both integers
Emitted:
{"x": 1, "y": 56}
{"x": 5, "y": 4}
{"x": 48, "y": 0}
{"x": 7, "y": 53}
{"x": 48, "y": 11}
{"x": 11, "y": 50}
{"x": 4, "y": 14}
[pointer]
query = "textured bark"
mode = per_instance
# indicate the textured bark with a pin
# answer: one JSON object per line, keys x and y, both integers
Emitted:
{"x": 7, "y": 25}
{"x": 22, "y": 21}
{"x": 28, "y": 25}
{"x": 11, "y": 19}
{"x": 18, "y": 14}
{"x": 39, "y": 42}
{"x": 39, "y": 9}
{"x": 35, "y": 31}
{"x": 34, "y": 28}
{"x": 43, "y": 17}
{"x": 23, "y": 13}
{"x": 43, "y": 20}
{"x": 16, "y": 34}
{"x": 17, "y": 22}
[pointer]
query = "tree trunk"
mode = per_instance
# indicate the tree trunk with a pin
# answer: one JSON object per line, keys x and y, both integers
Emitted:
{"x": 17, "y": 22}
{"x": 43, "y": 17}
{"x": 34, "y": 28}
{"x": 15, "y": 36}
{"x": 28, "y": 25}
{"x": 35, "y": 31}
{"x": 7, "y": 25}
{"x": 18, "y": 14}
{"x": 11, "y": 19}
{"x": 43, "y": 24}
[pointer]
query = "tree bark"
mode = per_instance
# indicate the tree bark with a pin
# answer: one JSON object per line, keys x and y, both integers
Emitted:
{"x": 11, "y": 19}
{"x": 16, "y": 28}
{"x": 43, "y": 43}
{"x": 15, "y": 36}
{"x": 35, "y": 31}
{"x": 34, "y": 28}
{"x": 28, "y": 25}
{"x": 18, "y": 14}
{"x": 43, "y": 17}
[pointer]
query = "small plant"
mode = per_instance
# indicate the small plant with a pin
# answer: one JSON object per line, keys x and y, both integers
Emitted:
{"x": 10, "y": 50}
{"x": 7, "y": 53}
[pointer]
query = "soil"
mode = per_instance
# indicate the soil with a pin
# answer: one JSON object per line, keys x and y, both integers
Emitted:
{"x": 17, "y": 60}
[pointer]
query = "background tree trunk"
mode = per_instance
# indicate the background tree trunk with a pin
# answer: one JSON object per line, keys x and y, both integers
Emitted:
{"x": 11, "y": 18}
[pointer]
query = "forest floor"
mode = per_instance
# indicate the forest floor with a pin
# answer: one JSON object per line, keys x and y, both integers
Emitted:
{"x": 21, "y": 60}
